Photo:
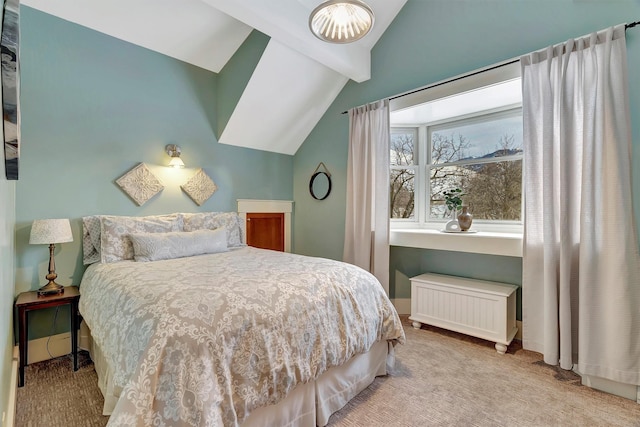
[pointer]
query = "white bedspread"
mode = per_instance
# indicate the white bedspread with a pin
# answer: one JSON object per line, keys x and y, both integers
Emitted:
{"x": 204, "y": 340}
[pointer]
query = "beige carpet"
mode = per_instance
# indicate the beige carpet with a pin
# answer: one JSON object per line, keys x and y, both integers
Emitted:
{"x": 441, "y": 379}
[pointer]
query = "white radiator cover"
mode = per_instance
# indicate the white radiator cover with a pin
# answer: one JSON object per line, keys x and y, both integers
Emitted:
{"x": 478, "y": 308}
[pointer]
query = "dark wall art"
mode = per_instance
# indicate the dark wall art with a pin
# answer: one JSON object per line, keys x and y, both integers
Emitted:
{"x": 9, "y": 44}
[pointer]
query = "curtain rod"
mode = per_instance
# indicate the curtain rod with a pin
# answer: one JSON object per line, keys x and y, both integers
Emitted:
{"x": 482, "y": 70}
{"x": 453, "y": 79}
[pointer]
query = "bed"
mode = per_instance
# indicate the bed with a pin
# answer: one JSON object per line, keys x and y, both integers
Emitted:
{"x": 191, "y": 327}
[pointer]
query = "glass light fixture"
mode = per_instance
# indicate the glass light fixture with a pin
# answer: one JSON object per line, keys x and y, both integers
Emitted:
{"x": 341, "y": 21}
{"x": 174, "y": 151}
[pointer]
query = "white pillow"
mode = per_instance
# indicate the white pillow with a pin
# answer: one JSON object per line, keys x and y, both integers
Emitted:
{"x": 91, "y": 239}
{"x": 231, "y": 221}
{"x": 115, "y": 244}
{"x": 158, "y": 246}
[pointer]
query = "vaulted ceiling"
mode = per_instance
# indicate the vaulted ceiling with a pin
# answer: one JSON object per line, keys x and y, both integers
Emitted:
{"x": 296, "y": 80}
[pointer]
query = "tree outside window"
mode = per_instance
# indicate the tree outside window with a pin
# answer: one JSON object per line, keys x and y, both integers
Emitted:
{"x": 481, "y": 155}
{"x": 403, "y": 173}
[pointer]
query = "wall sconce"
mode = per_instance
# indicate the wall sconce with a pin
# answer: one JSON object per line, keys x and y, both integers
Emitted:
{"x": 174, "y": 151}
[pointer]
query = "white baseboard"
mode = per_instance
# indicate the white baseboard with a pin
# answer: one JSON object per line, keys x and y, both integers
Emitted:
{"x": 8, "y": 418}
{"x": 519, "y": 333}
{"x": 58, "y": 345}
{"x": 402, "y": 305}
{"x": 48, "y": 347}
{"x": 628, "y": 391}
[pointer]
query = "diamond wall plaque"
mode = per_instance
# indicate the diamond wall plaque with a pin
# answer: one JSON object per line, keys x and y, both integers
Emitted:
{"x": 200, "y": 187}
{"x": 140, "y": 184}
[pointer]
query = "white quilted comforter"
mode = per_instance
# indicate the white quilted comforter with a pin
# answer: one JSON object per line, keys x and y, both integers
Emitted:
{"x": 204, "y": 340}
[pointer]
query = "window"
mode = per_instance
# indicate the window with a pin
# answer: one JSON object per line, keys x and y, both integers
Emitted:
{"x": 483, "y": 157}
{"x": 470, "y": 138}
{"x": 403, "y": 172}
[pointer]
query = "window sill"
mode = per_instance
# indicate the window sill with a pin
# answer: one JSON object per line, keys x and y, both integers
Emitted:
{"x": 482, "y": 242}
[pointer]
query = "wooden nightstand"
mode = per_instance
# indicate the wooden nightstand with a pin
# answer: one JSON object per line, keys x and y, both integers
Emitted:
{"x": 29, "y": 301}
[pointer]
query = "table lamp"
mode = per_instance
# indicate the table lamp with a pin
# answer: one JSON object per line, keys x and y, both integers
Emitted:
{"x": 50, "y": 231}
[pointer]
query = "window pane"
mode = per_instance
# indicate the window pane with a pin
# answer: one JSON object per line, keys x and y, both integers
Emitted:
{"x": 403, "y": 142}
{"x": 495, "y": 136}
{"x": 493, "y": 191}
{"x": 402, "y": 193}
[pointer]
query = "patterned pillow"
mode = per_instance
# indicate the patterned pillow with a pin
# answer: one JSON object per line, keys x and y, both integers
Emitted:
{"x": 158, "y": 246}
{"x": 115, "y": 244}
{"x": 231, "y": 221}
{"x": 91, "y": 239}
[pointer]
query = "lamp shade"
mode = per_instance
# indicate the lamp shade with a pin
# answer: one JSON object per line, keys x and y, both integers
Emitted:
{"x": 341, "y": 21}
{"x": 176, "y": 162}
{"x": 47, "y": 231}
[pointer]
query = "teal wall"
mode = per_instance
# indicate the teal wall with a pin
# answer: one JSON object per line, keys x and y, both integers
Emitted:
{"x": 426, "y": 43}
{"x": 7, "y": 269}
{"x": 92, "y": 108}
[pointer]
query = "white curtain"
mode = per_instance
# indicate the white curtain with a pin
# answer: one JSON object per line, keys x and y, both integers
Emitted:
{"x": 581, "y": 269}
{"x": 366, "y": 239}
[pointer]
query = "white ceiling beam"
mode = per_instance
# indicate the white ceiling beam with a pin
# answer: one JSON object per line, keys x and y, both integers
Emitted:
{"x": 285, "y": 98}
{"x": 188, "y": 30}
{"x": 287, "y": 21}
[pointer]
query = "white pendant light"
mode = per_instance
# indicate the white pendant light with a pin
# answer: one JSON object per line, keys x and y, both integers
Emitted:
{"x": 341, "y": 21}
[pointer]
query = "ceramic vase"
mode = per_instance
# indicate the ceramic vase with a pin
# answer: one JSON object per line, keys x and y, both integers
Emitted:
{"x": 453, "y": 225}
{"x": 465, "y": 219}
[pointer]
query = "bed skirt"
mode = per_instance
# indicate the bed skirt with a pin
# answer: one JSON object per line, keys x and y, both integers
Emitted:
{"x": 307, "y": 405}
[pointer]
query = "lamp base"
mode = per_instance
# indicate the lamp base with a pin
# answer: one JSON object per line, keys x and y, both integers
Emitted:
{"x": 51, "y": 288}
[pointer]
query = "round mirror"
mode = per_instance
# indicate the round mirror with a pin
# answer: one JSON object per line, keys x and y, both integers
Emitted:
{"x": 320, "y": 185}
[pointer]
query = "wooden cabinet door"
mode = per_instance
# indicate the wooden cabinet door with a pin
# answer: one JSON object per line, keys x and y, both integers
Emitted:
{"x": 265, "y": 230}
